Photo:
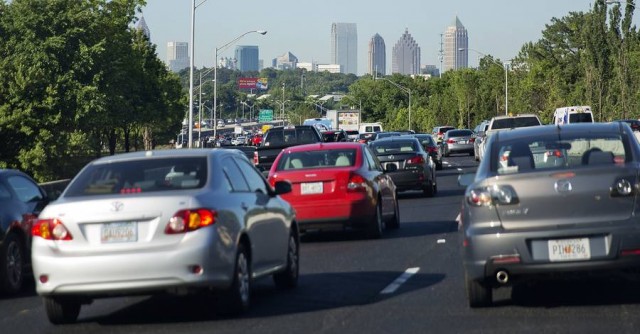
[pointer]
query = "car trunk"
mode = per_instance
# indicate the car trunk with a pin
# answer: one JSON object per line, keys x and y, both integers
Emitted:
{"x": 314, "y": 184}
{"x": 565, "y": 199}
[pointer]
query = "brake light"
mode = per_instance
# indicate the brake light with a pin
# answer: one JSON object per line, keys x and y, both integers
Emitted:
{"x": 190, "y": 220}
{"x": 451, "y": 141}
{"x": 419, "y": 160}
{"x": 432, "y": 149}
{"x": 487, "y": 196}
{"x": 255, "y": 157}
{"x": 471, "y": 140}
{"x": 50, "y": 229}
{"x": 356, "y": 183}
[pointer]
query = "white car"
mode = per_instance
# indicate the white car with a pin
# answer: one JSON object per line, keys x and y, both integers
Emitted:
{"x": 170, "y": 221}
{"x": 240, "y": 140}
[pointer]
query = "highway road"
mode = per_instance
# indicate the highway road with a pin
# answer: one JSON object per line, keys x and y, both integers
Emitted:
{"x": 410, "y": 281}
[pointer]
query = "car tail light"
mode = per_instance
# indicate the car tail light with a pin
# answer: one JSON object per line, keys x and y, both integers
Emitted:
{"x": 190, "y": 220}
{"x": 418, "y": 160}
{"x": 50, "y": 229}
{"x": 487, "y": 196}
{"x": 471, "y": 140}
{"x": 451, "y": 141}
{"x": 255, "y": 158}
{"x": 356, "y": 183}
{"x": 432, "y": 149}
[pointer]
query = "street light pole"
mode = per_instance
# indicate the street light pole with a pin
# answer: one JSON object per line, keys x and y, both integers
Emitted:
{"x": 405, "y": 89}
{"x": 191, "y": 60}
{"x": 215, "y": 77}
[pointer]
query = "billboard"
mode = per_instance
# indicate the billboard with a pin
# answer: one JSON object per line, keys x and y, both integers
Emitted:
{"x": 253, "y": 83}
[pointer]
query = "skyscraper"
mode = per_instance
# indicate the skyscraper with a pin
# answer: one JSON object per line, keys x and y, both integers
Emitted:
{"x": 405, "y": 56}
{"x": 377, "y": 56}
{"x": 178, "y": 56}
{"x": 285, "y": 62}
{"x": 142, "y": 26}
{"x": 456, "y": 44}
{"x": 344, "y": 46}
{"x": 248, "y": 58}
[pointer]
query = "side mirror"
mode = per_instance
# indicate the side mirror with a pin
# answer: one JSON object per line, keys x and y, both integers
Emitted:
{"x": 282, "y": 187}
{"x": 390, "y": 168}
{"x": 464, "y": 180}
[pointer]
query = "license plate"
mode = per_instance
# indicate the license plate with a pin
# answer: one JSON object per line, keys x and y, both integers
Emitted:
{"x": 119, "y": 232}
{"x": 569, "y": 249}
{"x": 311, "y": 188}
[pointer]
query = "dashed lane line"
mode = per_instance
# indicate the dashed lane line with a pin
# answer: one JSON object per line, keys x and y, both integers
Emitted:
{"x": 391, "y": 288}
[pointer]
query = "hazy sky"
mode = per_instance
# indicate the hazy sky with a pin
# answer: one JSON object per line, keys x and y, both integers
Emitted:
{"x": 496, "y": 27}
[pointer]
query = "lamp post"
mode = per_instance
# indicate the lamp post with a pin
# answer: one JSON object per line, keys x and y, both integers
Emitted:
{"x": 505, "y": 66}
{"x": 200, "y": 103}
{"x": 193, "y": 20}
{"x": 250, "y": 109}
{"x": 405, "y": 89}
{"x": 215, "y": 75}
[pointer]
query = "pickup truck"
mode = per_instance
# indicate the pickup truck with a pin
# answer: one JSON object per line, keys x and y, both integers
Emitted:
{"x": 278, "y": 138}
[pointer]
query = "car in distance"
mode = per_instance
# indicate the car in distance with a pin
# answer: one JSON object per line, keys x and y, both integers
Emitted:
{"x": 337, "y": 186}
{"x": 409, "y": 166}
{"x": 549, "y": 201}
{"x": 507, "y": 122}
{"x": 168, "y": 221}
{"x": 21, "y": 200}
{"x": 439, "y": 131}
{"x": 430, "y": 146}
{"x": 479, "y": 135}
{"x": 457, "y": 141}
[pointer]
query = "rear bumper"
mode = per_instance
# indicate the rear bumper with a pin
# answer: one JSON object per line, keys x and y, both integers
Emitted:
{"x": 335, "y": 214}
{"x": 410, "y": 180}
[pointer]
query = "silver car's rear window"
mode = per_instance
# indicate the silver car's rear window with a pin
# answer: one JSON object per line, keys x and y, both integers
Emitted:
{"x": 140, "y": 176}
{"x": 536, "y": 154}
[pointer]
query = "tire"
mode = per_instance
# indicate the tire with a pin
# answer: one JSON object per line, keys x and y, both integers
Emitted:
{"x": 439, "y": 165}
{"x": 61, "y": 311}
{"x": 428, "y": 190}
{"x": 394, "y": 223}
{"x": 12, "y": 264}
{"x": 478, "y": 293}
{"x": 237, "y": 298}
{"x": 288, "y": 278}
{"x": 374, "y": 231}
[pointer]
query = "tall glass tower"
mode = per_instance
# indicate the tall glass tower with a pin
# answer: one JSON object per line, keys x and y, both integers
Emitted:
{"x": 344, "y": 47}
{"x": 248, "y": 58}
{"x": 456, "y": 44}
{"x": 377, "y": 56}
{"x": 178, "y": 55}
{"x": 405, "y": 56}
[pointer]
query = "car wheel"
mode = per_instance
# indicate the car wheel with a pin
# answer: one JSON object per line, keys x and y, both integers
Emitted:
{"x": 439, "y": 165}
{"x": 236, "y": 299}
{"x": 375, "y": 229}
{"x": 12, "y": 264}
{"x": 478, "y": 293}
{"x": 394, "y": 223}
{"x": 61, "y": 310}
{"x": 445, "y": 152}
{"x": 428, "y": 189}
{"x": 289, "y": 277}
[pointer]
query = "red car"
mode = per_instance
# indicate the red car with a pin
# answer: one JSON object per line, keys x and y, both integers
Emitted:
{"x": 256, "y": 140}
{"x": 338, "y": 186}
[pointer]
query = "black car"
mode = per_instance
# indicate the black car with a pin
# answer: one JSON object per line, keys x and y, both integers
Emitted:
{"x": 430, "y": 146}
{"x": 21, "y": 200}
{"x": 408, "y": 164}
{"x": 330, "y": 136}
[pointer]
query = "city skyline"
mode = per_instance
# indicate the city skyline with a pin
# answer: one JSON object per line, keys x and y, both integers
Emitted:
{"x": 495, "y": 27}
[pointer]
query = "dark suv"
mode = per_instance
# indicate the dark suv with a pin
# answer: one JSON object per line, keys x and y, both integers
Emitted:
{"x": 21, "y": 200}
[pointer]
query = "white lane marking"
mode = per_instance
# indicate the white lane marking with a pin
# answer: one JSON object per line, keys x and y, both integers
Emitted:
{"x": 391, "y": 288}
{"x": 441, "y": 241}
{"x": 459, "y": 169}
{"x": 458, "y": 217}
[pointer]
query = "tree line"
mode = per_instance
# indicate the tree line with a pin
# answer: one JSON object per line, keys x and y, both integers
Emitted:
{"x": 78, "y": 81}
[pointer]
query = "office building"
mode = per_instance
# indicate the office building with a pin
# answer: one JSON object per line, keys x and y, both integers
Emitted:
{"x": 178, "y": 56}
{"x": 142, "y": 26}
{"x": 377, "y": 56}
{"x": 456, "y": 44}
{"x": 247, "y": 57}
{"x": 285, "y": 62}
{"x": 331, "y": 68}
{"x": 344, "y": 47}
{"x": 405, "y": 56}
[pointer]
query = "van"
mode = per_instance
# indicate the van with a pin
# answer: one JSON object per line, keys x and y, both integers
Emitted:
{"x": 573, "y": 114}
{"x": 370, "y": 127}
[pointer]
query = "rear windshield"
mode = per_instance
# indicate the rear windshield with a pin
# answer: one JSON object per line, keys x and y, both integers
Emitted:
{"x": 514, "y": 122}
{"x": 566, "y": 152}
{"x": 395, "y": 146}
{"x": 290, "y": 137}
{"x": 317, "y": 159}
{"x": 459, "y": 133}
{"x": 140, "y": 176}
{"x": 581, "y": 117}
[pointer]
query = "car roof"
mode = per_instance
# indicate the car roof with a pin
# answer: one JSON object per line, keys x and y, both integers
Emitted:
{"x": 514, "y": 116}
{"x": 192, "y": 152}
{"x": 576, "y": 128}
{"x": 396, "y": 138}
{"x": 324, "y": 146}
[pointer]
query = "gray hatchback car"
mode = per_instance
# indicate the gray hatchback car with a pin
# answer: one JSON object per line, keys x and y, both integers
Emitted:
{"x": 551, "y": 200}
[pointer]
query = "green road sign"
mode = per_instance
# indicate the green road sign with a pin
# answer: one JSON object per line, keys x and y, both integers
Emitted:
{"x": 265, "y": 115}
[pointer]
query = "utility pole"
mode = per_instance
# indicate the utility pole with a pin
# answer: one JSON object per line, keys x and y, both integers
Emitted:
{"x": 441, "y": 55}
{"x": 282, "y": 104}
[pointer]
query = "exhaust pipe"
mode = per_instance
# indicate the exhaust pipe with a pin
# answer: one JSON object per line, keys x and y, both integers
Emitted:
{"x": 502, "y": 277}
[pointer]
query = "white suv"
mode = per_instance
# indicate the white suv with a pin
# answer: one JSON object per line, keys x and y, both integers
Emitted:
{"x": 500, "y": 123}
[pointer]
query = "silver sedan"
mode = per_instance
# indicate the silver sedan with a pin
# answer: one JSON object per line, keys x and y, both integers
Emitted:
{"x": 548, "y": 201}
{"x": 172, "y": 221}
